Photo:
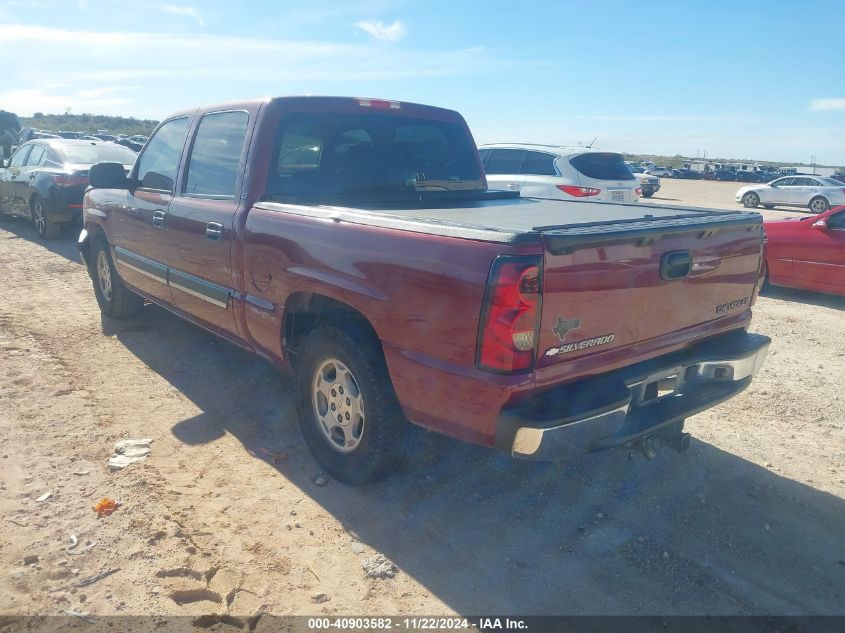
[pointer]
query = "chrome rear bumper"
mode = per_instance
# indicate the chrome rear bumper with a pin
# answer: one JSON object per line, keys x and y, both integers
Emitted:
{"x": 632, "y": 403}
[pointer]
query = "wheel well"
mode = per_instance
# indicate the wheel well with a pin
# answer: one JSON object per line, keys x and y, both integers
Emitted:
{"x": 305, "y": 311}
{"x": 95, "y": 232}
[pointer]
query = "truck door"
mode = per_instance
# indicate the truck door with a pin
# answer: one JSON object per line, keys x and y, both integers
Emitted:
{"x": 200, "y": 221}
{"x": 137, "y": 218}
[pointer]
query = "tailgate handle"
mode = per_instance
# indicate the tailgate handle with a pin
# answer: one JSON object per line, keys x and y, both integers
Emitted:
{"x": 675, "y": 265}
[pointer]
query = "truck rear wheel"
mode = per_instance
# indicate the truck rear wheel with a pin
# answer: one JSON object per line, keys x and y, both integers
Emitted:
{"x": 114, "y": 298}
{"x": 348, "y": 411}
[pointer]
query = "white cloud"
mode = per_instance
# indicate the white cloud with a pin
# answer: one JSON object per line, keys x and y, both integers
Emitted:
{"x": 190, "y": 12}
{"x": 821, "y": 105}
{"x": 381, "y": 31}
{"x": 77, "y": 69}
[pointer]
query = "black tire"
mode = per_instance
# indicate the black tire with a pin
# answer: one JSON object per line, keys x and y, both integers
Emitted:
{"x": 769, "y": 206}
{"x": 45, "y": 229}
{"x": 819, "y": 205}
{"x": 751, "y": 200}
{"x": 648, "y": 194}
{"x": 383, "y": 438}
{"x": 114, "y": 298}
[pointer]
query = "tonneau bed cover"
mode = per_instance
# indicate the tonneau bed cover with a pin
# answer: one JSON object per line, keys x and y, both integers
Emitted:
{"x": 564, "y": 224}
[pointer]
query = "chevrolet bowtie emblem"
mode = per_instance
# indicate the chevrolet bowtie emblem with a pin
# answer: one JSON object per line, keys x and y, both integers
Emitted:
{"x": 565, "y": 326}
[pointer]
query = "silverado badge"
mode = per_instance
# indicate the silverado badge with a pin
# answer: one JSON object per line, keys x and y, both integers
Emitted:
{"x": 565, "y": 326}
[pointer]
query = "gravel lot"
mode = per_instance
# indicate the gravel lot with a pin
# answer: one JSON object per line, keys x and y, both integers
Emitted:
{"x": 224, "y": 516}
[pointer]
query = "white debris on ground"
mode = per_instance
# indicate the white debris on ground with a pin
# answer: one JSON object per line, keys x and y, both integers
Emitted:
{"x": 128, "y": 452}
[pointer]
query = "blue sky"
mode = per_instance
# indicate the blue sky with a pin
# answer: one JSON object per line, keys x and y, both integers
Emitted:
{"x": 743, "y": 79}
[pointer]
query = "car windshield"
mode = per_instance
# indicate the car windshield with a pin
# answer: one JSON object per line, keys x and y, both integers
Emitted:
{"x": 602, "y": 166}
{"x": 371, "y": 154}
{"x": 92, "y": 154}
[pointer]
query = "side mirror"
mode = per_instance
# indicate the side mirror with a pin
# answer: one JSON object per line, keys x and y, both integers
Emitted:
{"x": 107, "y": 176}
{"x": 820, "y": 224}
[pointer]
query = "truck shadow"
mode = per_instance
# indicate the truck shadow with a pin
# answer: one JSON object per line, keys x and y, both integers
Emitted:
{"x": 703, "y": 532}
{"x": 65, "y": 245}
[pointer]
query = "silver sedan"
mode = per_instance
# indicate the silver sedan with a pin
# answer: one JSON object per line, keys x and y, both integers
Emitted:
{"x": 817, "y": 193}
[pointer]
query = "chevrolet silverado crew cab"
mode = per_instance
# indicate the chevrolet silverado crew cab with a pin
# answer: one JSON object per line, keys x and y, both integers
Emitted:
{"x": 355, "y": 243}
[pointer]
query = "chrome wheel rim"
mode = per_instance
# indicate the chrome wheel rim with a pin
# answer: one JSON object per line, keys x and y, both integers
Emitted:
{"x": 751, "y": 200}
{"x": 818, "y": 206}
{"x": 38, "y": 218}
{"x": 104, "y": 275}
{"x": 338, "y": 405}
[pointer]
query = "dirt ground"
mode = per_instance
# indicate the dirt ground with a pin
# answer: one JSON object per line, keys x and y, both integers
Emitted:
{"x": 225, "y": 515}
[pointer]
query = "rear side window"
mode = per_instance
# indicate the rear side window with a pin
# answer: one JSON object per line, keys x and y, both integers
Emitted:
{"x": 216, "y": 155}
{"x": 36, "y": 155}
{"x": 539, "y": 164}
{"x": 348, "y": 154}
{"x": 602, "y": 166}
{"x": 159, "y": 162}
{"x": 505, "y": 161}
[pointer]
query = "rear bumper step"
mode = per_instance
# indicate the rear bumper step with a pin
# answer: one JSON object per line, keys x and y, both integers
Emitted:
{"x": 632, "y": 403}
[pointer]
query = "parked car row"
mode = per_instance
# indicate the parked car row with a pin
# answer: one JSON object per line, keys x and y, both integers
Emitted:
{"x": 135, "y": 142}
{"x": 45, "y": 179}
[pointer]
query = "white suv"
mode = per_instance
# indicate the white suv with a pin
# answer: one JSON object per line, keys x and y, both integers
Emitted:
{"x": 562, "y": 173}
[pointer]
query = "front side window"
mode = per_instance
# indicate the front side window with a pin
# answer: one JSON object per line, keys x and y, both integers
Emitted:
{"x": 159, "y": 162}
{"x": 836, "y": 221}
{"x": 370, "y": 155}
{"x": 539, "y": 164}
{"x": 783, "y": 182}
{"x": 216, "y": 155}
{"x": 19, "y": 157}
{"x": 602, "y": 166}
{"x": 505, "y": 161}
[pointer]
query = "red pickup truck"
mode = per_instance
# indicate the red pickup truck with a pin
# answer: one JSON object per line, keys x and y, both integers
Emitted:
{"x": 355, "y": 243}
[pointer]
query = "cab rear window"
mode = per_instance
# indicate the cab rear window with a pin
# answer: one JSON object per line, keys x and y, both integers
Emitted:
{"x": 602, "y": 166}
{"x": 372, "y": 153}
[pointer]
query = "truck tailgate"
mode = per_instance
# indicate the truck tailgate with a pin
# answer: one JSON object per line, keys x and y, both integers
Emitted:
{"x": 612, "y": 285}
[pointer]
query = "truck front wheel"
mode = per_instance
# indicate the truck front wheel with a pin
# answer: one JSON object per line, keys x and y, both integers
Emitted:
{"x": 114, "y": 298}
{"x": 348, "y": 411}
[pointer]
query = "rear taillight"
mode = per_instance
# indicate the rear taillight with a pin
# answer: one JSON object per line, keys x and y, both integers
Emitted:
{"x": 579, "y": 192}
{"x": 507, "y": 334}
{"x": 638, "y": 191}
{"x": 68, "y": 180}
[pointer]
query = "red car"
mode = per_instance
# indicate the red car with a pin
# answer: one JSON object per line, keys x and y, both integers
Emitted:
{"x": 807, "y": 252}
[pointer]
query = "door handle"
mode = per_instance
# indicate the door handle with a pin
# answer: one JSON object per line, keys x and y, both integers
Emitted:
{"x": 158, "y": 219}
{"x": 213, "y": 230}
